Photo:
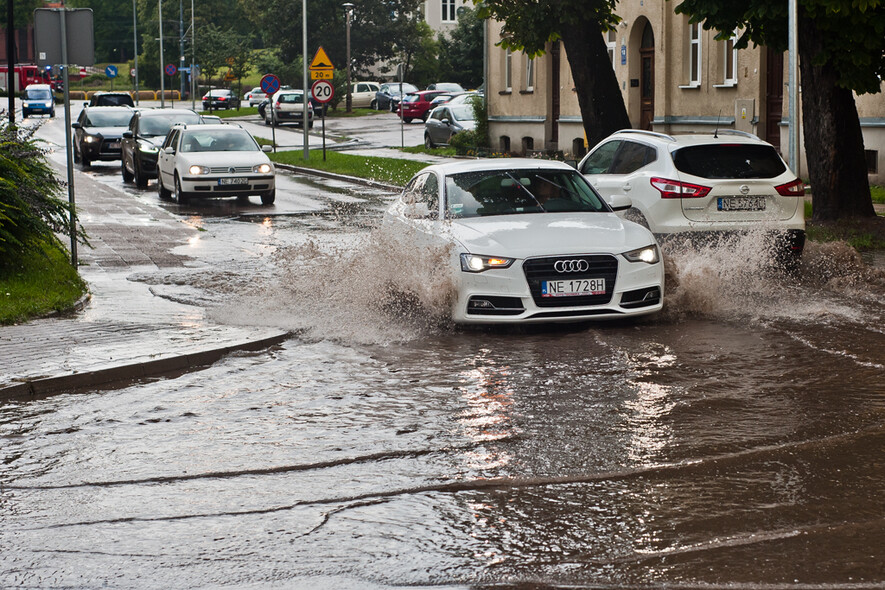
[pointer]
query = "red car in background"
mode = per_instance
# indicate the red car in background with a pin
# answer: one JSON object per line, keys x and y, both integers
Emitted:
{"x": 416, "y": 105}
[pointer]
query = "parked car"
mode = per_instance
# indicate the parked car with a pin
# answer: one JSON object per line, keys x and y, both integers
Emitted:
{"x": 465, "y": 98}
{"x": 416, "y": 105}
{"x": 446, "y": 87}
{"x": 111, "y": 99}
{"x": 527, "y": 241}
{"x": 38, "y": 99}
{"x": 288, "y": 106}
{"x": 442, "y": 99}
{"x": 220, "y": 98}
{"x": 445, "y": 121}
{"x": 388, "y": 95}
{"x": 97, "y": 133}
{"x": 141, "y": 142}
{"x": 363, "y": 93}
{"x": 214, "y": 161}
{"x": 723, "y": 182}
{"x": 255, "y": 96}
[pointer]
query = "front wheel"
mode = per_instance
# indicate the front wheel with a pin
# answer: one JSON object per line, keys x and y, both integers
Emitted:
{"x": 141, "y": 180}
{"x": 408, "y": 119}
{"x": 374, "y": 105}
{"x": 269, "y": 197}
{"x": 180, "y": 195}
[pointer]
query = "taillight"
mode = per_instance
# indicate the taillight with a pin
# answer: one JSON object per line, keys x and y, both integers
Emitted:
{"x": 791, "y": 189}
{"x": 673, "y": 189}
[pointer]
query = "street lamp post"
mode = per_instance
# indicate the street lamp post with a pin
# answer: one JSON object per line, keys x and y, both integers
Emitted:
{"x": 135, "y": 46}
{"x": 162, "y": 72}
{"x": 348, "y": 7}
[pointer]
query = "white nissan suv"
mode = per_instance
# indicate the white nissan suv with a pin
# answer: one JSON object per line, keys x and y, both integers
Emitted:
{"x": 728, "y": 181}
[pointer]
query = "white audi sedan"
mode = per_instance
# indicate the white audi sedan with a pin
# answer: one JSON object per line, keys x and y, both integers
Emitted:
{"x": 529, "y": 241}
{"x": 208, "y": 161}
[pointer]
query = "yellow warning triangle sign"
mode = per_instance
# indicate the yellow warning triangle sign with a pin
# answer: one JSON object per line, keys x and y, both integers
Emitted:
{"x": 321, "y": 61}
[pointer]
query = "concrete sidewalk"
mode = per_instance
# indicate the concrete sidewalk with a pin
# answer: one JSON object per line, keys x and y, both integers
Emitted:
{"x": 121, "y": 332}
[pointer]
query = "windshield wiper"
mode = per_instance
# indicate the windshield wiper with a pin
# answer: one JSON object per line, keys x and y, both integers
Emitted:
{"x": 523, "y": 187}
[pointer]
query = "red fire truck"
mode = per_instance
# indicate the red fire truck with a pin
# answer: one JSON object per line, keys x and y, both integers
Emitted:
{"x": 25, "y": 75}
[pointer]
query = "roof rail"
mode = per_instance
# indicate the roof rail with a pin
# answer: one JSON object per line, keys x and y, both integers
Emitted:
{"x": 651, "y": 133}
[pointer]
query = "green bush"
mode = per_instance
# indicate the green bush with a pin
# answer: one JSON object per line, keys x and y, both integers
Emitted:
{"x": 32, "y": 211}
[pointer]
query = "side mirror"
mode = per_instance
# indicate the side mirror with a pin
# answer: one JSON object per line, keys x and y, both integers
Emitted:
{"x": 619, "y": 202}
{"x": 127, "y": 134}
{"x": 169, "y": 150}
{"x": 75, "y": 125}
{"x": 266, "y": 148}
{"x": 446, "y": 121}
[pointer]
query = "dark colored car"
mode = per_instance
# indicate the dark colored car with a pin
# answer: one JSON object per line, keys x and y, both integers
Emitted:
{"x": 417, "y": 104}
{"x": 387, "y": 97}
{"x": 111, "y": 99}
{"x": 220, "y": 98}
{"x": 98, "y": 131}
{"x": 142, "y": 141}
{"x": 446, "y": 86}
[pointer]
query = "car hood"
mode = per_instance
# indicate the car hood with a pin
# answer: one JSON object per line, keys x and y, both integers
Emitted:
{"x": 544, "y": 234}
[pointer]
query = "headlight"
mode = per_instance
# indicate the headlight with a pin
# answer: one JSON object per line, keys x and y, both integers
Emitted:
{"x": 474, "y": 263}
{"x": 648, "y": 254}
{"x": 198, "y": 170}
{"x": 148, "y": 148}
{"x": 90, "y": 138}
{"x": 262, "y": 168}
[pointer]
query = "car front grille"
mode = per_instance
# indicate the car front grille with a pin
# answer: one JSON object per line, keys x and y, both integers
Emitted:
{"x": 228, "y": 170}
{"x": 542, "y": 269}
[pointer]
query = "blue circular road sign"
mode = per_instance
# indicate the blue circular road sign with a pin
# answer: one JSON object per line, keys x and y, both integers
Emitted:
{"x": 111, "y": 71}
{"x": 171, "y": 69}
{"x": 270, "y": 83}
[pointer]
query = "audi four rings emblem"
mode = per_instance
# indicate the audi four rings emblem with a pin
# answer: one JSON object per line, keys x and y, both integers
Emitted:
{"x": 571, "y": 266}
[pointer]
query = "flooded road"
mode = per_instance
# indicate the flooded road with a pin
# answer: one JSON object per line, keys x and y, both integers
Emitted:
{"x": 735, "y": 440}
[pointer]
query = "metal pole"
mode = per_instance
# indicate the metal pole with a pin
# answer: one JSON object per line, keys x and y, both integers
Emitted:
{"x": 68, "y": 145}
{"x": 181, "y": 47}
{"x": 135, "y": 44}
{"x": 306, "y": 96}
{"x": 10, "y": 59}
{"x": 793, "y": 42}
{"x": 162, "y": 71}
{"x": 348, "y": 102}
{"x": 193, "y": 60}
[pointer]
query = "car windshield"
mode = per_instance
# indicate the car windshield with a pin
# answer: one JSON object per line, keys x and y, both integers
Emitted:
{"x": 291, "y": 97}
{"x": 102, "y": 118}
{"x": 729, "y": 161}
{"x": 462, "y": 112}
{"x": 506, "y": 192}
{"x": 160, "y": 125}
{"x": 38, "y": 94}
{"x": 218, "y": 140}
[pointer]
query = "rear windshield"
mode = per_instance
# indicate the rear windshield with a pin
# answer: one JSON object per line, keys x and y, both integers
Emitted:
{"x": 113, "y": 100}
{"x": 291, "y": 98}
{"x": 729, "y": 161}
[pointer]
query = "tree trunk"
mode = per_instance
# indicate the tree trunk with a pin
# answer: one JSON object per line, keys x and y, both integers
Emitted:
{"x": 599, "y": 96}
{"x": 834, "y": 148}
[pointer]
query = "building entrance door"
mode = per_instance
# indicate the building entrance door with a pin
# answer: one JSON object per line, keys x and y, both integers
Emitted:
{"x": 647, "y": 78}
{"x": 774, "y": 97}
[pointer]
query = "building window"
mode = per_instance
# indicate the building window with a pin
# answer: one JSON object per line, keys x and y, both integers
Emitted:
{"x": 872, "y": 157}
{"x": 528, "y": 145}
{"x": 529, "y": 74}
{"x": 508, "y": 70}
{"x": 448, "y": 11}
{"x": 731, "y": 61}
{"x": 611, "y": 41}
{"x": 694, "y": 55}
{"x": 505, "y": 144}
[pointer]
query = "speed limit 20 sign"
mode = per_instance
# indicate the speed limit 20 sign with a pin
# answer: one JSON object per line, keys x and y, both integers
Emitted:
{"x": 322, "y": 91}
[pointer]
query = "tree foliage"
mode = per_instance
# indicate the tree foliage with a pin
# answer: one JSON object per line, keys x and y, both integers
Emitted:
{"x": 32, "y": 210}
{"x": 461, "y": 52}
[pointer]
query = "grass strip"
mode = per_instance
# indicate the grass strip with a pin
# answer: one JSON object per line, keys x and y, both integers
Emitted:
{"x": 37, "y": 283}
{"x": 388, "y": 170}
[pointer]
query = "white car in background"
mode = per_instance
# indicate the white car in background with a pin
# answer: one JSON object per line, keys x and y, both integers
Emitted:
{"x": 209, "y": 161}
{"x": 287, "y": 106}
{"x": 255, "y": 96}
{"x": 729, "y": 181}
{"x": 527, "y": 241}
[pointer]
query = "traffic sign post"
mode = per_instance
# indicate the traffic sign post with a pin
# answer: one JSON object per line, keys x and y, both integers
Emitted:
{"x": 323, "y": 91}
{"x": 270, "y": 84}
{"x": 170, "y": 71}
{"x": 111, "y": 72}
